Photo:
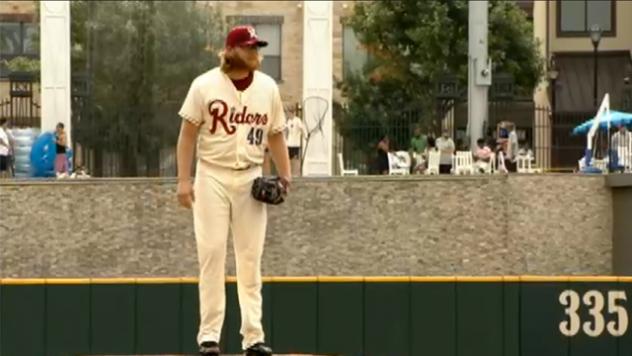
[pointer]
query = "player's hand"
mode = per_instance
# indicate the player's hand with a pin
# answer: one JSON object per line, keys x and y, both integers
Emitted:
{"x": 286, "y": 182}
{"x": 185, "y": 193}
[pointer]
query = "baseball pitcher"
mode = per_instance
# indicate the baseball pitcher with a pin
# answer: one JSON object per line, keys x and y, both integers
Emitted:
{"x": 232, "y": 113}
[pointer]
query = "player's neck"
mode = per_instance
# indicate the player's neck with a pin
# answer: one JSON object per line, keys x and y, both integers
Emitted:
{"x": 238, "y": 74}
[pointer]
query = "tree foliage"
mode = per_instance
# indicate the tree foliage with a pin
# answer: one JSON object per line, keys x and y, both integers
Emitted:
{"x": 139, "y": 58}
{"x": 412, "y": 44}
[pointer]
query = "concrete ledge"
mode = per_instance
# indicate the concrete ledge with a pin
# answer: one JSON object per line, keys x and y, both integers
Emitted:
{"x": 367, "y": 178}
{"x": 619, "y": 180}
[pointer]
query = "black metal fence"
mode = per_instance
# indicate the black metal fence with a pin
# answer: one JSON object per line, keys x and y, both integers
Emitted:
{"x": 567, "y": 149}
{"x": 547, "y": 134}
{"x": 19, "y": 108}
{"x": 358, "y": 143}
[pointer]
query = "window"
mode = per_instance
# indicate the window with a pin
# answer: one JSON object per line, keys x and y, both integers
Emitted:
{"x": 268, "y": 28}
{"x": 354, "y": 57}
{"x": 576, "y": 17}
{"x": 17, "y": 39}
{"x": 271, "y": 64}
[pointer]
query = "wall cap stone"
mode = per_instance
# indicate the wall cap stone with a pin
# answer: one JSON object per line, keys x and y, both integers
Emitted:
{"x": 619, "y": 180}
{"x": 611, "y": 180}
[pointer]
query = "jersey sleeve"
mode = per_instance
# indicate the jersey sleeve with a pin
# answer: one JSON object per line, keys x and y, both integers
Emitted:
{"x": 277, "y": 123}
{"x": 192, "y": 109}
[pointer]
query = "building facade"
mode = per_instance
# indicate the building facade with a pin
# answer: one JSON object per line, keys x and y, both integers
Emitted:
{"x": 563, "y": 27}
{"x": 578, "y": 74}
{"x": 280, "y": 22}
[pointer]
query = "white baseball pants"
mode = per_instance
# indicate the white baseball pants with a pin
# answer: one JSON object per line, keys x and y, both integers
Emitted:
{"x": 223, "y": 201}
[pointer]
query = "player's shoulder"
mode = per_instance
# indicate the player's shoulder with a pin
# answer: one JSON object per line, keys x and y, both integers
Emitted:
{"x": 207, "y": 77}
{"x": 265, "y": 80}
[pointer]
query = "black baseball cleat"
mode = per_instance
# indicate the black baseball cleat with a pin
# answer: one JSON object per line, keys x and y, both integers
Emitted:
{"x": 258, "y": 349}
{"x": 209, "y": 348}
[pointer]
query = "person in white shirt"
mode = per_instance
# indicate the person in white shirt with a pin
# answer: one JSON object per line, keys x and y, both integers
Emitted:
{"x": 622, "y": 144}
{"x": 5, "y": 149}
{"x": 512, "y": 148}
{"x": 445, "y": 145}
{"x": 296, "y": 133}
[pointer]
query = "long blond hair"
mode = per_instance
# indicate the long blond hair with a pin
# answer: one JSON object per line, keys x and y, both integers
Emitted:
{"x": 226, "y": 59}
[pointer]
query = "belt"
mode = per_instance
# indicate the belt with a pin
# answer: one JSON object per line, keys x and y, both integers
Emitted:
{"x": 245, "y": 168}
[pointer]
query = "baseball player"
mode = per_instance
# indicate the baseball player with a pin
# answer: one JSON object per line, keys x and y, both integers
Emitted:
{"x": 233, "y": 112}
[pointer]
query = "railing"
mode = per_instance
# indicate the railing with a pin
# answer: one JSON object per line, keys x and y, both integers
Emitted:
{"x": 21, "y": 112}
{"x": 548, "y": 135}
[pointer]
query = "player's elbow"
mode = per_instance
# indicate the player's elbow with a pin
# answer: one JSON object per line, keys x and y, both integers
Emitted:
{"x": 276, "y": 136}
{"x": 276, "y": 140}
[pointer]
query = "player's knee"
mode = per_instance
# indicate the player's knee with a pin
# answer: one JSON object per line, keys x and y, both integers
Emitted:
{"x": 209, "y": 253}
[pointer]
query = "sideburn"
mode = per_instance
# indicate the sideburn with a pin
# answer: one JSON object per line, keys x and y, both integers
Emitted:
{"x": 235, "y": 62}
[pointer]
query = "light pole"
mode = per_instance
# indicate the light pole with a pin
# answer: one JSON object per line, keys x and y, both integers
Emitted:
{"x": 627, "y": 93}
{"x": 553, "y": 75}
{"x": 595, "y": 38}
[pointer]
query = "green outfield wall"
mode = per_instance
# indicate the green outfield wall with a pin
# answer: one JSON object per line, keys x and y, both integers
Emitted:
{"x": 415, "y": 316}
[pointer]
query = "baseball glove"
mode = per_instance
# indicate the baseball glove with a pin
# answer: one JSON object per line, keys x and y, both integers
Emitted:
{"x": 269, "y": 190}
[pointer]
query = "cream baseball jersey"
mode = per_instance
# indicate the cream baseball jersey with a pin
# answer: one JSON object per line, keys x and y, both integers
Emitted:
{"x": 234, "y": 125}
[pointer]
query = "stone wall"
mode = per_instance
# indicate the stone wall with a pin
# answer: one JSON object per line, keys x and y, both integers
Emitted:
{"x": 544, "y": 224}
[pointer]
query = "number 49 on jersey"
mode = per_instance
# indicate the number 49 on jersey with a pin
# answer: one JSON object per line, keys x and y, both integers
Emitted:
{"x": 255, "y": 136}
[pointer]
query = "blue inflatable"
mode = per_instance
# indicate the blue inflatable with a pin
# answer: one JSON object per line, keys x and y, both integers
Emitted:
{"x": 43, "y": 156}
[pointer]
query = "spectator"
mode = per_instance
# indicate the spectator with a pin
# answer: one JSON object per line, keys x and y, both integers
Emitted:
{"x": 502, "y": 136}
{"x": 61, "y": 162}
{"x": 5, "y": 149}
{"x": 432, "y": 145}
{"x": 383, "y": 148}
{"x": 512, "y": 148}
{"x": 483, "y": 152}
{"x": 446, "y": 146}
{"x": 417, "y": 150}
{"x": 295, "y": 135}
{"x": 482, "y": 155}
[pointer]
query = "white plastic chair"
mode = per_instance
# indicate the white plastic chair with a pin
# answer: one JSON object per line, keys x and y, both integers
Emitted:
{"x": 419, "y": 162}
{"x": 464, "y": 163}
{"x": 523, "y": 164}
{"x": 492, "y": 164}
{"x": 343, "y": 171}
{"x": 434, "y": 159}
{"x": 625, "y": 157}
{"x": 394, "y": 167}
{"x": 404, "y": 160}
{"x": 533, "y": 169}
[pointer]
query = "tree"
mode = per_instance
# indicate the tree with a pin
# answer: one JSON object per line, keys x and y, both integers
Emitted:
{"x": 139, "y": 58}
{"x": 413, "y": 44}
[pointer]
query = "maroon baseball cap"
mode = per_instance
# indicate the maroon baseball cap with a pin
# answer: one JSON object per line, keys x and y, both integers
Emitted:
{"x": 243, "y": 36}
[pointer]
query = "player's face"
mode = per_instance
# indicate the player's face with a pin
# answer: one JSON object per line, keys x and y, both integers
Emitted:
{"x": 249, "y": 56}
